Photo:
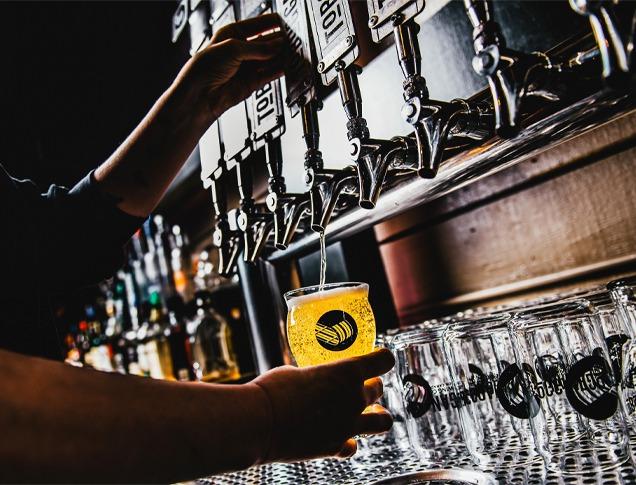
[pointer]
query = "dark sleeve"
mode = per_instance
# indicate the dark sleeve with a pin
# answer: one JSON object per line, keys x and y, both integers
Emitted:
{"x": 76, "y": 236}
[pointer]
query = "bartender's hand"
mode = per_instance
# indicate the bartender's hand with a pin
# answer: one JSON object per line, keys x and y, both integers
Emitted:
{"x": 317, "y": 410}
{"x": 231, "y": 67}
{"x": 223, "y": 73}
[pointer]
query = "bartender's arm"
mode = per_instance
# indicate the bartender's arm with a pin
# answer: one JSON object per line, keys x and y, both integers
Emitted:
{"x": 65, "y": 424}
{"x": 215, "y": 79}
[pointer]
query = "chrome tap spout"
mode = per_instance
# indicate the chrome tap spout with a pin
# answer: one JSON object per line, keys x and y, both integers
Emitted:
{"x": 616, "y": 47}
{"x": 256, "y": 224}
{"x": 374, "y": 159}
{"x": 288, "y": 211}
{"x": 228, "y": 244}
{"x": 436, "y": 123}
{"x": 509, "y": 73}
{"x": 326, "y": 187}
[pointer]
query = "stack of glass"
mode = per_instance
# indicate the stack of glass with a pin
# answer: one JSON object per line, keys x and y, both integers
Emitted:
{"x": 550, "y": 381}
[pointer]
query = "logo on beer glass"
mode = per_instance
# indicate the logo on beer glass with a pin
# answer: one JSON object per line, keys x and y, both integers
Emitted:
{"x": 511, "y": 394}
{"x": 417, "y": 394}
{"x": 336, "y": 330}
{"x": 590, "y": 388}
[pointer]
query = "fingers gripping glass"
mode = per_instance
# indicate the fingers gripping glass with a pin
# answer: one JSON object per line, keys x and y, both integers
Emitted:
{"x": 328, "y": 323}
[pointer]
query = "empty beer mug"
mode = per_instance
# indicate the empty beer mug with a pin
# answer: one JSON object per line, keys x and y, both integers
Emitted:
{"x": 578, "y": 425}
{"x": 329, "y": 322}
{"x": 424, "y": 382}
{"x": 493, "y": 408}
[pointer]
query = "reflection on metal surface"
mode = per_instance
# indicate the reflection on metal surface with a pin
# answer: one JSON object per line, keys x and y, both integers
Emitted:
{"x": 475, "y": 164}
{"x": 440, "y": 477}
{"x": 386, "y": 460}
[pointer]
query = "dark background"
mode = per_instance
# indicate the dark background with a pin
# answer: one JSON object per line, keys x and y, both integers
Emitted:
{"x": 76, "y": 78}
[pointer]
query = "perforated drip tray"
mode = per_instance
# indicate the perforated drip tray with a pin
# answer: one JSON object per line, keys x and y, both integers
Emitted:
{"x": 385, "y": 461}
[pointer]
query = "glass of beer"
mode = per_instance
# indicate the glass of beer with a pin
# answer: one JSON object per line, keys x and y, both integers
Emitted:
{"x": 329, "y": 322}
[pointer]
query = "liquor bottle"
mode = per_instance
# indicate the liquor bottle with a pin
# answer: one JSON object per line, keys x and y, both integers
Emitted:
{"x": 211, "y": 340}
{"x": 73, "y": 356}
{"x": 178, "y": 341}
{"x": 83, "y": 343}
{"x": 157, "y": 346}
{"x": 141, "y": 337}
{"x": 181, "y": 264}
{"x": 131, "y": 325}
{"x": 162, "y": 245}
{"x": 100, "y": 351}
{"x": 137, "y": 266}
{"x": 149, "y": 252}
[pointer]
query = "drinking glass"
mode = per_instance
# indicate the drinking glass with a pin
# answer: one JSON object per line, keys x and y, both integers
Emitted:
{"x": 386, "y": 447}
{"x": 620, "y": 333}
{"x": 428, "y": 399}
{"x": 578, "y": 425}
{"x": 329, "y": 322}
{"x": 494, "y": 411}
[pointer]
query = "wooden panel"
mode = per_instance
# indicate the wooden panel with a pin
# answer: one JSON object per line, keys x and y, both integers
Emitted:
{"x": 578, "y": 219}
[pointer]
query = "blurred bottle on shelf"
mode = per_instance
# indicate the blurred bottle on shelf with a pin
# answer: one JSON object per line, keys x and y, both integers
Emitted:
{"x": 181, "y": 264}
{"x": 155, "y": 342}
{"x": 157, "y": 316}
{"x": 211, "y": 340}
{"x": 178, "y": 340}
{"x": 98, "y": 354}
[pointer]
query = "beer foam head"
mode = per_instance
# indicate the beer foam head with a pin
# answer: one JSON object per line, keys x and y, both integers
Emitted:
{"x": 335, "y": 290}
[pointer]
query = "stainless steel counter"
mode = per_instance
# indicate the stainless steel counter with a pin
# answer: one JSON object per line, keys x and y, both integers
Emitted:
{"x": 388, "y": 461}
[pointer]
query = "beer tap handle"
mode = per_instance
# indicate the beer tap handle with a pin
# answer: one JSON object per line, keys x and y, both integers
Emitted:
{"x": 408, "y": 48}
{"x": 352, "y": 102}
{"x": 508, "y": 72}
{"x": 277, "y": 189}
{"x": 219, "y": 198}
{"x": 243, "y": 220}
{"x": 311, "y": 133}
{"x": 614, "y": 50}
{"x": 431, "y": 120}
{"x": 274, "y": 162}
{"x": 245, "y": 187}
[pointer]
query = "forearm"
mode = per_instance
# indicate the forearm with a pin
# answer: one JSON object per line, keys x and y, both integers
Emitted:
{"x": 142, "y": 168}
{"x": 64, "y": 424}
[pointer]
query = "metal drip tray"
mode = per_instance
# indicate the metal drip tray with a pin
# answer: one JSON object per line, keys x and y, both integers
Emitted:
{"x": 440, "y": 477}
{"x": 388, "y": 464}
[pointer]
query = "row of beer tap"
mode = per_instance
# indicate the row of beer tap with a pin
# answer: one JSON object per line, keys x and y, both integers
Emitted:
{"x": 437, "y": 126}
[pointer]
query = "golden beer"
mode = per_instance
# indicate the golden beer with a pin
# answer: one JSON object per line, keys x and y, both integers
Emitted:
{"x": 329, "y": 323}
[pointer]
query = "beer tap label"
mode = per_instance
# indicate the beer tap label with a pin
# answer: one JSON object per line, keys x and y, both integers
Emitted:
{"x": 265, "y": 106}
{"x": 298, "y": 69}
{"x": 382, "y": 14}
{"x": 334, "y": 36}
{"x": 233, "y": 123}
{"x": 336, "y": 330}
